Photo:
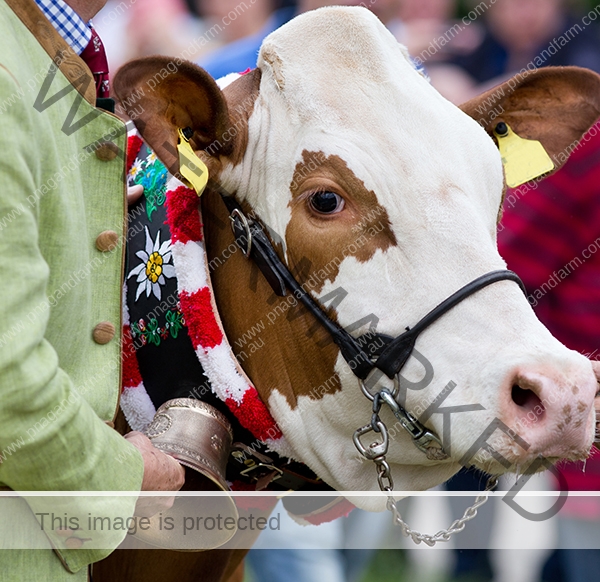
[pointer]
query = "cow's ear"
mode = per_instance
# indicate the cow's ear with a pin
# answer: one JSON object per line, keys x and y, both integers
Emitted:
{"x": 554, "y": 105}
{"x": 162, "y": 97}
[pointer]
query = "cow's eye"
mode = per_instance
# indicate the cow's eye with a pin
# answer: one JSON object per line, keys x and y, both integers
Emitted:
{"x": 326, "y": 202}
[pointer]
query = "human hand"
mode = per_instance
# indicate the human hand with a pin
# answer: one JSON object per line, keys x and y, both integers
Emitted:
{"x": 134, "y": 193}
{"x": 161, "y": 473}
{"x": 70, "y": 537}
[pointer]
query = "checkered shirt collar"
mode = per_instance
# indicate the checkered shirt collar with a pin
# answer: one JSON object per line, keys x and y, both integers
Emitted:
{"x": 67, "y": 22}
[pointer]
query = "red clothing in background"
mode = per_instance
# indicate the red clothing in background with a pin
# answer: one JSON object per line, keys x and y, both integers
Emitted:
{"x": 555, "y": 228}
{"x": 550, "y": 236}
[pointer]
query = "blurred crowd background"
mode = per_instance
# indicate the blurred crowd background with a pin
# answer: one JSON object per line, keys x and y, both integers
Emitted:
{"x": 466, "y": 45}
{"x": 465, "y": 48}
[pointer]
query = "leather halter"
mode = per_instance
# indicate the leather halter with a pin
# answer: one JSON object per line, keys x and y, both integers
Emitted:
{"x": 367, "y": 352}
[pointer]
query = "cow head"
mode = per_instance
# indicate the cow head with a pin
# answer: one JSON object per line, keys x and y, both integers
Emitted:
{"x": 392, "y": 195}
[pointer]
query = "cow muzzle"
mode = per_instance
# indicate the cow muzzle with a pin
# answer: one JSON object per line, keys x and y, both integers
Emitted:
{"x": 550, "y": 413}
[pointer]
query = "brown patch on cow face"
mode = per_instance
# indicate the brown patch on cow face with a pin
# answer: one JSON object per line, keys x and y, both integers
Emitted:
{"x": 288, "y": 352}
{"x": 358, "y": 230}
{"x": 297, "y": 357}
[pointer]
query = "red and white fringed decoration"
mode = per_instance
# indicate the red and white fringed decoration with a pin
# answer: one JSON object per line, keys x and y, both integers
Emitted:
{"x": 135, "y": 402}
{"x": 134, "y": 145}
{"x": 228, "y": 380}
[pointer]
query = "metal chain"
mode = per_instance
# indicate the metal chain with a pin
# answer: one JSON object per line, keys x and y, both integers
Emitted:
{"x": 443, "y": 535}
{"x": 384, "y": 475}
{"x": 377, "y": 451}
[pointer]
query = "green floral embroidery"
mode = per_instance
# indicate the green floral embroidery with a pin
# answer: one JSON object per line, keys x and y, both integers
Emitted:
{"x": 149, "y": 332}
{"x": 152, "y": 175}
{"x": 174, "y": 322}
{"x": 153, "y": 332}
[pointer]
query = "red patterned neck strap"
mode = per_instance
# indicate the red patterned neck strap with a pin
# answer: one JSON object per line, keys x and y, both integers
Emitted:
{"x": 94, "y": 56}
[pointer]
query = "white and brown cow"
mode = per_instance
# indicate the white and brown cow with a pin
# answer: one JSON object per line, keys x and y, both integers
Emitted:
{"x": 334, "y": 136}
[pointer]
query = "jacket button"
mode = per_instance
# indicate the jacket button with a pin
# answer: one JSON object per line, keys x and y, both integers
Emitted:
{"x": 103, "y": 332}
{"x": 107, "y": 241}
{"x": 106, "y": 151}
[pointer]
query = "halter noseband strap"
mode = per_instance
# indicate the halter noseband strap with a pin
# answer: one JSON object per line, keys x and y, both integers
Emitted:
{"x": 397, "y": 352}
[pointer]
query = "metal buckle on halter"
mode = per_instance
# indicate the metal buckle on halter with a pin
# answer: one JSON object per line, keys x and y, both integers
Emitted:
{"x": 239, "y": 215}
{"x": 424, "y": 439}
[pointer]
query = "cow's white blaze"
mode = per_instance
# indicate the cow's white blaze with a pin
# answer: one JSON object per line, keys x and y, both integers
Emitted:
{"x": 351, "y": 91}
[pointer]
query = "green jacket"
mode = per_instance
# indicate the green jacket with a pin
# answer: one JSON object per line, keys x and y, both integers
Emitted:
{"x": 62, "y": 208}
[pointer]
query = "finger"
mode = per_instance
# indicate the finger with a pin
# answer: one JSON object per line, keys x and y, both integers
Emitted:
{"x": 138, "y": 439}
{"x": 73, "y": 543}
{"x": 149, "y": 506}
{"x": 134, "y": 193}
{"x": 63, "y": 532}
{"x": 177, "y": 475}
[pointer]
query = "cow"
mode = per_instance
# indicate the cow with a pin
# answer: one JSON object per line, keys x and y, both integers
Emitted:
{"x": 385, "y": 197}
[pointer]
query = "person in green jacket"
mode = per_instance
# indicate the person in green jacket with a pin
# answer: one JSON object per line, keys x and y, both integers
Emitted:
{"x": 62, "y": 223}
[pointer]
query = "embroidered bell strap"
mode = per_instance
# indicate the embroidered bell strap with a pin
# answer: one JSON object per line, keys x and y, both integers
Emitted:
{"x": 165, "y": 358}
{"x": 168, "y": 313}
{"x": 94, "y": 56}
{"x": 159, "y": 361}
{"x": 135, "y": 403}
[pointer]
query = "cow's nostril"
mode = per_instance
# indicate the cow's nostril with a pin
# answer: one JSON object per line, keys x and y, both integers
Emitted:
{"x": 527, "y": 399}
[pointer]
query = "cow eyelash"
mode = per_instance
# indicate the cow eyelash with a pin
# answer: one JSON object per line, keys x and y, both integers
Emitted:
{"x": 326, "y": 202}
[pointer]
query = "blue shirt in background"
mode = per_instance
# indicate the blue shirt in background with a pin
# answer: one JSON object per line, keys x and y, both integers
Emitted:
{"x": 241, "y": 55}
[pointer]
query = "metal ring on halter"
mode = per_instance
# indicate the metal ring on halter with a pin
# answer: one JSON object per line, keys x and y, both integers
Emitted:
{"x": 236, "y": 213}
{"x": 370, "y": 396}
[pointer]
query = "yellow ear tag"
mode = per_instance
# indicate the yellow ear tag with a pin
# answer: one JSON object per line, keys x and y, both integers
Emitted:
{"x": 523, "y": 159}
{"x": 191, "y": 167}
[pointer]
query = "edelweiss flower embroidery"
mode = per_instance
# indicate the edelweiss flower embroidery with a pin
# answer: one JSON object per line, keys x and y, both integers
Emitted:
{"x": 135, "y": 169}
{"x": 155, "y": 267}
